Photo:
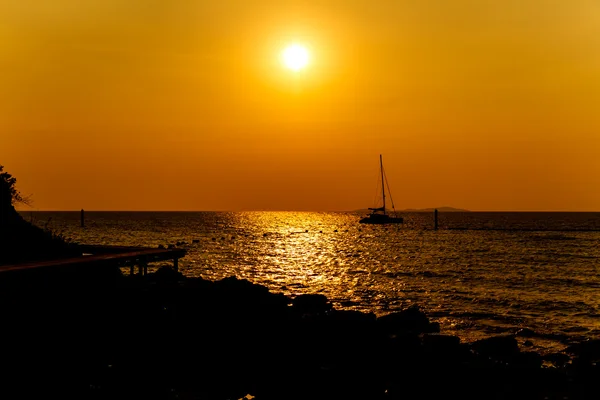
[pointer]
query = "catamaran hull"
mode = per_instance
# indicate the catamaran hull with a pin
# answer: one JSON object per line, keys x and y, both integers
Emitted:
{"x": 381, "y": 221}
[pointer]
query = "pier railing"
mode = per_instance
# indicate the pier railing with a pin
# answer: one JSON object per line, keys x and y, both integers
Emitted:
{"x": 105, "y": 256}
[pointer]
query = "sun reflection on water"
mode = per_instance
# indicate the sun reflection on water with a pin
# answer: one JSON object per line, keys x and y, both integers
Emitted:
{"x": 303, "y": 247}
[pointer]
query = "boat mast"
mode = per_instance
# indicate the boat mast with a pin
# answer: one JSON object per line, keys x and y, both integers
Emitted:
{"x": 382, "y": 183}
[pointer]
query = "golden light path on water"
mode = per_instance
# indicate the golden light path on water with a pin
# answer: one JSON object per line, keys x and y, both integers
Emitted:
{"x": 300, "y": 257}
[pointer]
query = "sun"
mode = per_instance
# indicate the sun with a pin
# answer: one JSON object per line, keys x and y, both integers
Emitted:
{"x": 295, "y": 57}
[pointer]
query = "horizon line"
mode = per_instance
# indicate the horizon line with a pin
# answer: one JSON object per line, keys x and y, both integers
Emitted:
{"x": 426, "y": 209}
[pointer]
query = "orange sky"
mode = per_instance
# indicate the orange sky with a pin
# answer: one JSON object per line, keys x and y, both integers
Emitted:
{"x": 184, "y": 105}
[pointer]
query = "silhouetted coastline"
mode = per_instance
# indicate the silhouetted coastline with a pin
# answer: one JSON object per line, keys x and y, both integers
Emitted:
{"x": 100, "y": 334}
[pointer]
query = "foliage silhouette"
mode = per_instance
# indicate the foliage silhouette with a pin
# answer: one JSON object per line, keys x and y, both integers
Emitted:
{"x": 21, "y": 241}
{"x": 8, "y": 191}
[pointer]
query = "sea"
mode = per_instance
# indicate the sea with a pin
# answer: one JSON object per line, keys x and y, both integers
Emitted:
{"x": 480, "y": 274}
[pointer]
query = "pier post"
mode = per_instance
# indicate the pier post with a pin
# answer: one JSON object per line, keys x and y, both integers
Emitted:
{"x": 435, "y": 219}
{"x": 141, "y": 268}
{"x": 82, "y": 219}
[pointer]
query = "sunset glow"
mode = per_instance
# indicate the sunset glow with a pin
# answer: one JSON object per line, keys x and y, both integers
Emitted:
{"x": 287, "y": 105}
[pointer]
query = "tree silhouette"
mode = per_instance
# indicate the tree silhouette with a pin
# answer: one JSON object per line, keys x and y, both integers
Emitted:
{"x": 9, "y": 195}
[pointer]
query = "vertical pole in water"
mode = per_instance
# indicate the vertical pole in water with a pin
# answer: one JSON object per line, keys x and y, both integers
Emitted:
{"x": 82, "y": 219}
{"x": 435, "y": 219}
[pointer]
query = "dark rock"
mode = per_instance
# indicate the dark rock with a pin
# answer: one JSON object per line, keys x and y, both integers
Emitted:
{"x": 166, "y": 275}
{"x": 411, "y": 320}
{"x": 587, "y": 351}
{"x": 404, "y": 348}
{"x": 526, "y": 359}
{"x": 444, "y": 348}
{"x": 436, "y": 341}
{"x": 353, "y": 316}
{"x": 240, "y": 288}
{"x": 353, "y": 324}
{"x": 497, "y": 347}
{"x": 312, "y": 304}
{"x": 525, "y": 332}
{"x": 241, "y": 296}
{"x": 558, "y": 359}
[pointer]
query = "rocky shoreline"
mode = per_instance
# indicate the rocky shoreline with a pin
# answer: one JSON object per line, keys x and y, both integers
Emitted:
{"x": 100, "y": 334}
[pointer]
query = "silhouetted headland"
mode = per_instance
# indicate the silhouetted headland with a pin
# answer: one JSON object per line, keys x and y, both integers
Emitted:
{"x": 21, "y": 241}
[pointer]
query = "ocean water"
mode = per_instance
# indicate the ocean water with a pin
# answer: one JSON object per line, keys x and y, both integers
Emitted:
{"x": 479, "y": 275}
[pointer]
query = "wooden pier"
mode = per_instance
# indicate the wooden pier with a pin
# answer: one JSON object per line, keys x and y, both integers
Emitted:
{"x": 105, "y": 256}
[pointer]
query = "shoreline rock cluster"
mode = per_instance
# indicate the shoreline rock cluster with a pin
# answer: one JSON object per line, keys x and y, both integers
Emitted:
{"x": 99, "y": 334}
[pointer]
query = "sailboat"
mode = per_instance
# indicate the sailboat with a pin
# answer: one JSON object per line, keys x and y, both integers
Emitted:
{"x": 379, "y": 215}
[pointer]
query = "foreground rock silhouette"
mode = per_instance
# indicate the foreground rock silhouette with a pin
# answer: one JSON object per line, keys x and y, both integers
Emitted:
{"x": 99, "y": 334}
